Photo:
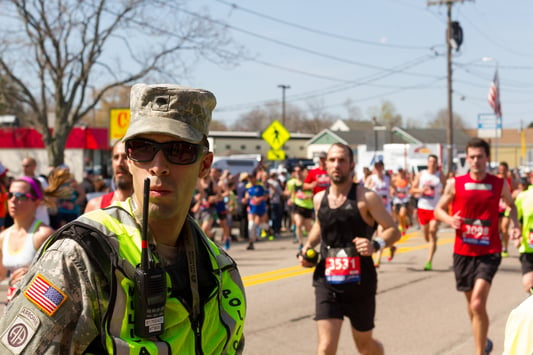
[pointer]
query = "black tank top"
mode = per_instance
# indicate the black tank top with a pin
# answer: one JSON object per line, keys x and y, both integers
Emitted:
{"x": 210, "y": 191}
{"x": 339, "y": 226}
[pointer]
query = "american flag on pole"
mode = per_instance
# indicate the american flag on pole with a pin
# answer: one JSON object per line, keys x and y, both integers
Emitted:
{"x": 494, "y": 95}
{"x": 45, "y": 295}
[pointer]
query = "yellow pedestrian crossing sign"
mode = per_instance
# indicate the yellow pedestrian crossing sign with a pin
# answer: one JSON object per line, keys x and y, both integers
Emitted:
{"x": 276, "y": 154}
{"x": 276, "y": 135}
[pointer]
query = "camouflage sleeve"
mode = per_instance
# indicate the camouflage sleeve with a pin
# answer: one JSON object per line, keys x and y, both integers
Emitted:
{"x": 55, "y": 309}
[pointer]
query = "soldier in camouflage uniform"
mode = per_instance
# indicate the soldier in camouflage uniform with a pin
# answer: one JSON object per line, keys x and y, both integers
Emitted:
{"x": 82, "y": 294}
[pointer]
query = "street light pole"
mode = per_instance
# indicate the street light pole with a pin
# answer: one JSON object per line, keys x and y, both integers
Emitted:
{"x": 283, "y": 88}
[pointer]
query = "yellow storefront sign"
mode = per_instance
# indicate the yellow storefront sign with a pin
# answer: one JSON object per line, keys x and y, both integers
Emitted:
{"x": 119, "y": 120}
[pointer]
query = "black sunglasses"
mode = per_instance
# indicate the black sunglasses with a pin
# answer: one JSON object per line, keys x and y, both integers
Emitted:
{"x": 176, "y": 152}
{"x": 20, "y": 196}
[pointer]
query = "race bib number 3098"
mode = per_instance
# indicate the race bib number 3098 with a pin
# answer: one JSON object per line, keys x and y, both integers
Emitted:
{"x": 476, "y": 231}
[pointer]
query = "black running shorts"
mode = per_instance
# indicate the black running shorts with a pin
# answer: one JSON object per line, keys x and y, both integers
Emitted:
{"x": 469, "y": 268}
{"x": 357, "y": 302}
{"x": 526, "y": 260}
{"x": 304, "y": 212}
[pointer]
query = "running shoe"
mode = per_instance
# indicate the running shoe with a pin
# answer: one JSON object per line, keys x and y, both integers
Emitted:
{"x": 505, "y": 254}
{"x": 428, "y": 266}
{"x": 392, "y": 252}
{"x": 250, "y": 247}
{"x": 488, "y": 346}
{"x": 263, "y": 233}
{"x": 300, "y": 247}
{"x": 227, "y": 244}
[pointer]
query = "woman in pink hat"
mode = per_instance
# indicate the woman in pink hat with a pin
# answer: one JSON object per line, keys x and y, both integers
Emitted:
{"x": 20, "y": 242}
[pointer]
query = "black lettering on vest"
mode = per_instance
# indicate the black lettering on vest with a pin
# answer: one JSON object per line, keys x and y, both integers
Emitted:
{"x": 240, "y": 315}
{"x": 131, "y": 319}
{"x": 131, "y": 291}
{"x": 132, "y": 333}
{"x": 235, "y": 302}
{"x": 144, "y": 351}
{"x": 226, "y": 293}
{"x": 235, "y": 344}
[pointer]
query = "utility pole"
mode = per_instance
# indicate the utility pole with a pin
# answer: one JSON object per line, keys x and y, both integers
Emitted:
{"x": 449, "y": 131}
{"x": 283, "y": 88}
{"x": 449, "y": 134}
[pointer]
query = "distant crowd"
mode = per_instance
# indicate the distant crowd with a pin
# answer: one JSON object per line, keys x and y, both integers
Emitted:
{"x": 263, "y": 204}
{"x": 224, "y": 200}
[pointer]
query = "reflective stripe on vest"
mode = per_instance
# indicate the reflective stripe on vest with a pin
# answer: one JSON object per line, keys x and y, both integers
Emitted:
{"x": 222, "y": 314}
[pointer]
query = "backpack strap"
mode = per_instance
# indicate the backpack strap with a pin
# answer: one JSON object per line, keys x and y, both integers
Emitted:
{"x": 103, "y": 250}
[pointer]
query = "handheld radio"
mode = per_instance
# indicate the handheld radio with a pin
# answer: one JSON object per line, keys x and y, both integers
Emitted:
{"x": 150, "y": 291}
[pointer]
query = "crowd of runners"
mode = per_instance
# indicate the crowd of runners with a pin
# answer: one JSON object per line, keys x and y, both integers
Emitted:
{"x": 265, "y": 203}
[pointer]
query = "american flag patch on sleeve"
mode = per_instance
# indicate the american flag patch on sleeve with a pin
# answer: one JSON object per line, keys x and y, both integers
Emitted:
{"x": 45, "y": 295}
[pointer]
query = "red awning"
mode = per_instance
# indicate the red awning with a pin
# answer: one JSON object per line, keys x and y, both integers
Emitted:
{"x": 79, "y": 138}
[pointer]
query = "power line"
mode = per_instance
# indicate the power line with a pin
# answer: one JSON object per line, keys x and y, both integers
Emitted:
{"x": 302, "y": 49}
{"x": 321, "y": 32}
{"x": 490, "y": 38}
{"x": 338, "y": 88}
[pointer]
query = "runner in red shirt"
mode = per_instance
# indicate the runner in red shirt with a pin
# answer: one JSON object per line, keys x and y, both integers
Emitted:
{"x": 317, "y": 179}
{"x": 503, "y": 172}
{"x": 477, "y": 250}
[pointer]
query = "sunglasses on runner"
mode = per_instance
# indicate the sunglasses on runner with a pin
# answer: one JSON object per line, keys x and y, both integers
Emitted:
{"x": 176, "y": 152}
{"x": 20, "y": 196}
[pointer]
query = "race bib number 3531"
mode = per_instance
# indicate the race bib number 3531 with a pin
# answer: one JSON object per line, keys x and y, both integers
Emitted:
{"x": 343, "y": 269}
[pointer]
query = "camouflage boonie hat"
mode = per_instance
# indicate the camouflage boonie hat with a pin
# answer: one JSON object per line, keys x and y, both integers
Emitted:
{"x": 169, "y": 109}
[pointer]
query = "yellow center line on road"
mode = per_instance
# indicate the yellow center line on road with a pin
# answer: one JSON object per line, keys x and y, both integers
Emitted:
{"x": 297, "y": 270}
{"x": 405, "y": 249}
{"x": 275, "y": 275}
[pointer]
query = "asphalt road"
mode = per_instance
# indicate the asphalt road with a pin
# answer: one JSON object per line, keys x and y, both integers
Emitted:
{"x": 418, "y": 312}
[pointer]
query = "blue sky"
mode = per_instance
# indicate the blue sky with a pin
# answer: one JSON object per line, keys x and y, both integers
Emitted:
{"x": 370, "y": 51}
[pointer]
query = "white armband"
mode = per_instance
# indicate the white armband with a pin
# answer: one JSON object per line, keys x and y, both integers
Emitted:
{"x": 379, "y": 242}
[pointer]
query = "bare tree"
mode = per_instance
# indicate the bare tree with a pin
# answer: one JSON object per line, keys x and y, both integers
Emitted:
{"x": 53, "y": 52}
{"x": 441, "y": 120}
{"x": 386, "y": 113}
{"x": 354, "y": 112}
{"x": 257, "y": 119}
{"x": 411, "y": 123}
{"x": 117, "y": 97}
{"x": 8, "y": 106}
{"x": 217, "y": 126}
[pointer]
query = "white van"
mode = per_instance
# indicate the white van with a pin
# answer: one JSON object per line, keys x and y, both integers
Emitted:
{"x": 235, "y": 165}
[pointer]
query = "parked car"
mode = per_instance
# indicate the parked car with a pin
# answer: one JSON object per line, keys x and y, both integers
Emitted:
{"x": 236, "y": 165}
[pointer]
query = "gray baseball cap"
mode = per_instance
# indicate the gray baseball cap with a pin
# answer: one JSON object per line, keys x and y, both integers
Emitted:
{"x": 169, "y": 109}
